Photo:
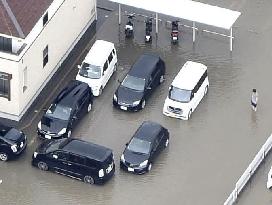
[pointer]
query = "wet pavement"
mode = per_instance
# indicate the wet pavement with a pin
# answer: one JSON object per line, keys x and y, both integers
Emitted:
{"x": 206, "y": 155}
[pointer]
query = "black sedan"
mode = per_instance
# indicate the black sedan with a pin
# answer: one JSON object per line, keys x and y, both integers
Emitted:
{"x": 145, "y": 145}
{"x": 140, "y": 82}
{"x": 12, "y": 142}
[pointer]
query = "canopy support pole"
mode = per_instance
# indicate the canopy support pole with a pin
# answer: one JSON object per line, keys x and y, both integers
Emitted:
{"x": 157, "y": 26}
{"x": 194, "y": 28}
{"x": 119, "y": 13}
{"x": 231, "y": 39}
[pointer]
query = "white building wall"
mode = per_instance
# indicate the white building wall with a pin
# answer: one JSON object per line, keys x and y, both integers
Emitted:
{"x": 61, "y": 33}
{"x": 10, "y": 106}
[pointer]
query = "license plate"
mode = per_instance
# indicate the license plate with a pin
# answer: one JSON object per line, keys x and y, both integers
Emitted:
{"x": 47, "y": 136}
{"x": 123, "y": 107}
{"x": 108, "y": 170}
{"x": 130, "y": 169}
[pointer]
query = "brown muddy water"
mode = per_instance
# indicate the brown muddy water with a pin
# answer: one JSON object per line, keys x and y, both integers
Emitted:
{"x": 206, "y": 155}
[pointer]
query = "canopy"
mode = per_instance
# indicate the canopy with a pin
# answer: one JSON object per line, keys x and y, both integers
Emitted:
{"x": 189, "y": 10}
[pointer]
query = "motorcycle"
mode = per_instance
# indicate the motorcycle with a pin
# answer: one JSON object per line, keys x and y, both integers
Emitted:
{"x": 129, "y": 26}
{"x": 175, "y": 32}
{"x": 148, "y": 30}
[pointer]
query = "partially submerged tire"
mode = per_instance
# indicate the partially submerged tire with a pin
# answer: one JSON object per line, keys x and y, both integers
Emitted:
{"x": 4, "y": 156}
{"x": 88, "y": 180}
{"x": 43, "y": 166}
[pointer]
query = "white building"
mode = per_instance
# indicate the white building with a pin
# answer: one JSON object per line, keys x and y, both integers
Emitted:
{"x": 35, "y": 38}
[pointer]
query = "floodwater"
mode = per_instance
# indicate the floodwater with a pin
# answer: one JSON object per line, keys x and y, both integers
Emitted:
{"x": 206, "y": 155}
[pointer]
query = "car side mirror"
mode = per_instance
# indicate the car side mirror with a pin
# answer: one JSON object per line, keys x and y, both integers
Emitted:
{"x": 55, "y": 156}
{"x": 44, "y": 109}
{"x": 78, "y": 66}
{"x": 126, "y": 144}
{"x": 148, "y": 88}
{"x": 74, "y": 118}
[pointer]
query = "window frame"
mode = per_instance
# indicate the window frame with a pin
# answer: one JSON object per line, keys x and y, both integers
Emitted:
{"x": 45, "y": 18}
{"x": 45, "y": 56}
{"x": 7, "y": 77}
{"x": 25, "y": 82}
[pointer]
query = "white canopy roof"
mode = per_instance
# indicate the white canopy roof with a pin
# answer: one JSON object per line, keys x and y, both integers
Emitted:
{"x": 189, "y": 10}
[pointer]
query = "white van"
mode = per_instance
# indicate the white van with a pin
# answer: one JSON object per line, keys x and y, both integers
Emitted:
{"x": 186, "y": 91}
{"x": 98, "y": 66}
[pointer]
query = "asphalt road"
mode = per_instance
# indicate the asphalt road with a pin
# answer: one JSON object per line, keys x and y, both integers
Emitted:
{"x": 206, "y": 155}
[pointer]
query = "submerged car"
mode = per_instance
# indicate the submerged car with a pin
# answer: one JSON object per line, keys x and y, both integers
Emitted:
{"x": 140, "y": 82}
{"x": 75, "y": 158}
{"x": 73, "y": 102}
{"x": 12, "y": 142}
{"x": 145, "y": 145}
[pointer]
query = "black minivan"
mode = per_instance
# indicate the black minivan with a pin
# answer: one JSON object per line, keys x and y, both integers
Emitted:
{"x": 72, "y": 103}
{"x": 12, "y": 142}
{"x": 142, "y": 79}
{"x": 76, "y": 158}
{"x": 145, "y": 145}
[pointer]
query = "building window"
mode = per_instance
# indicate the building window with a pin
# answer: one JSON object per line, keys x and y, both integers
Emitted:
{"x": 5, "y": 85}
{"x": 45, "y": 56}
{"x": 5, "y": 44}
{"x": 45, "y": 18}
{"x": 24, "y": 79}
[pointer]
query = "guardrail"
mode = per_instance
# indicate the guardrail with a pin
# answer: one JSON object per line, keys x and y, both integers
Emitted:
{"x": 249, "y": 172}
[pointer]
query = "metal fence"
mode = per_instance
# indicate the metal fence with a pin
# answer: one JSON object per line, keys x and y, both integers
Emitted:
{"x": 241, "y": 183}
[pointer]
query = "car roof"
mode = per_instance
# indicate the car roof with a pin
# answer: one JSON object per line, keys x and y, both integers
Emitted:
{"x": 144, "y": 66}
{"x": 99, "y": 52}
{"x": 87, "y": 149}
{"x": 148, "y": 131}
{"x": 189, "y": 75}
{"x": 69, "y": 95}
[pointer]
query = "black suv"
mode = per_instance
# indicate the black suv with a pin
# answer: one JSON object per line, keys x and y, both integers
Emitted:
{"x": 76, "y": 158}
{"x": 144, "y": 76}
{"x": 145, "y": 145}
{"x": 73, "y": 102}
{"x": 12, "y": 142}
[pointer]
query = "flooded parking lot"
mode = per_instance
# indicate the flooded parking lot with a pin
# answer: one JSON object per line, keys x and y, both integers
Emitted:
{"x": 206, "y": 155}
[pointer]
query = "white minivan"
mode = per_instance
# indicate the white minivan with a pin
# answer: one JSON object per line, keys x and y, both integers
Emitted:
{"x": 186, "y": 91}
{"x": 98, "y": 66}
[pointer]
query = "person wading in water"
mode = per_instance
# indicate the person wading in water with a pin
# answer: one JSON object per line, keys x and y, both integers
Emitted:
{"x": 254, "y": 99}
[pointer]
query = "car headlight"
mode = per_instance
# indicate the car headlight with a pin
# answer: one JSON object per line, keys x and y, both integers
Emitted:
{"x": 14, "y": 148}
{"x": 114, "y": 97}
{"x": 122, "y": 158}
{"x": 136, "y": 102}
{"x": 35, "y": 154}
{"x": 143, "y": 164}
{"x": 101, "y": 173}
{"x": 40, "y": 125}
{"x": 62, "y": 131}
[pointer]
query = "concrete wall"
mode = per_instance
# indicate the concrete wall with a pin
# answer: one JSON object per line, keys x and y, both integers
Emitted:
{"x": 67, "y": 20}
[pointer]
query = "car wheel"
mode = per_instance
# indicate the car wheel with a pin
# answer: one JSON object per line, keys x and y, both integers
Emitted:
{"x": 4, "y": 156}
{"x": 89, "y": 107}
{"x": 100, "y": 90}
{"x": 161, "y": 79}
{"x": 189, "y": 114}
{"x": 88, "y": 180}
{"x": 166, "y": 142}
{"x": 149, "y": 167}
{"x": 69, "y": 133}
{"x": 206, "y": 90}
{"x": 43, "y": 166}
{"x": 143, "y": 104}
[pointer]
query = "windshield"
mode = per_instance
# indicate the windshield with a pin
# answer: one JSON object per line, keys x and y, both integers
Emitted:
{"x": 139, "y": 146}
{"x": 59, "y": 112}
{"x": 90, "y": 71}
{"x": 54, "y": 145}
{"x": 134, "y": 83}
{"x": 179, "y": 95}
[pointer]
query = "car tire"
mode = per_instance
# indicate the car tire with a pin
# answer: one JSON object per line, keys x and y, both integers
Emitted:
{"x": 100, "y": 91}
{"x": 89, "y": 107}
{"x": 189, "y": 114}
{"x": 161, "y": 79}
{"x": 166, "y": 143}
{"x": 69, "y": 133}
{"x": 149, "y": 167}
{"x": 43, "y": 166}
{"x": 143, "y": 104}
{"x": 88, "y": 180}
{"x": 206, "y": 90}
{"x": 4, "y": 156}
